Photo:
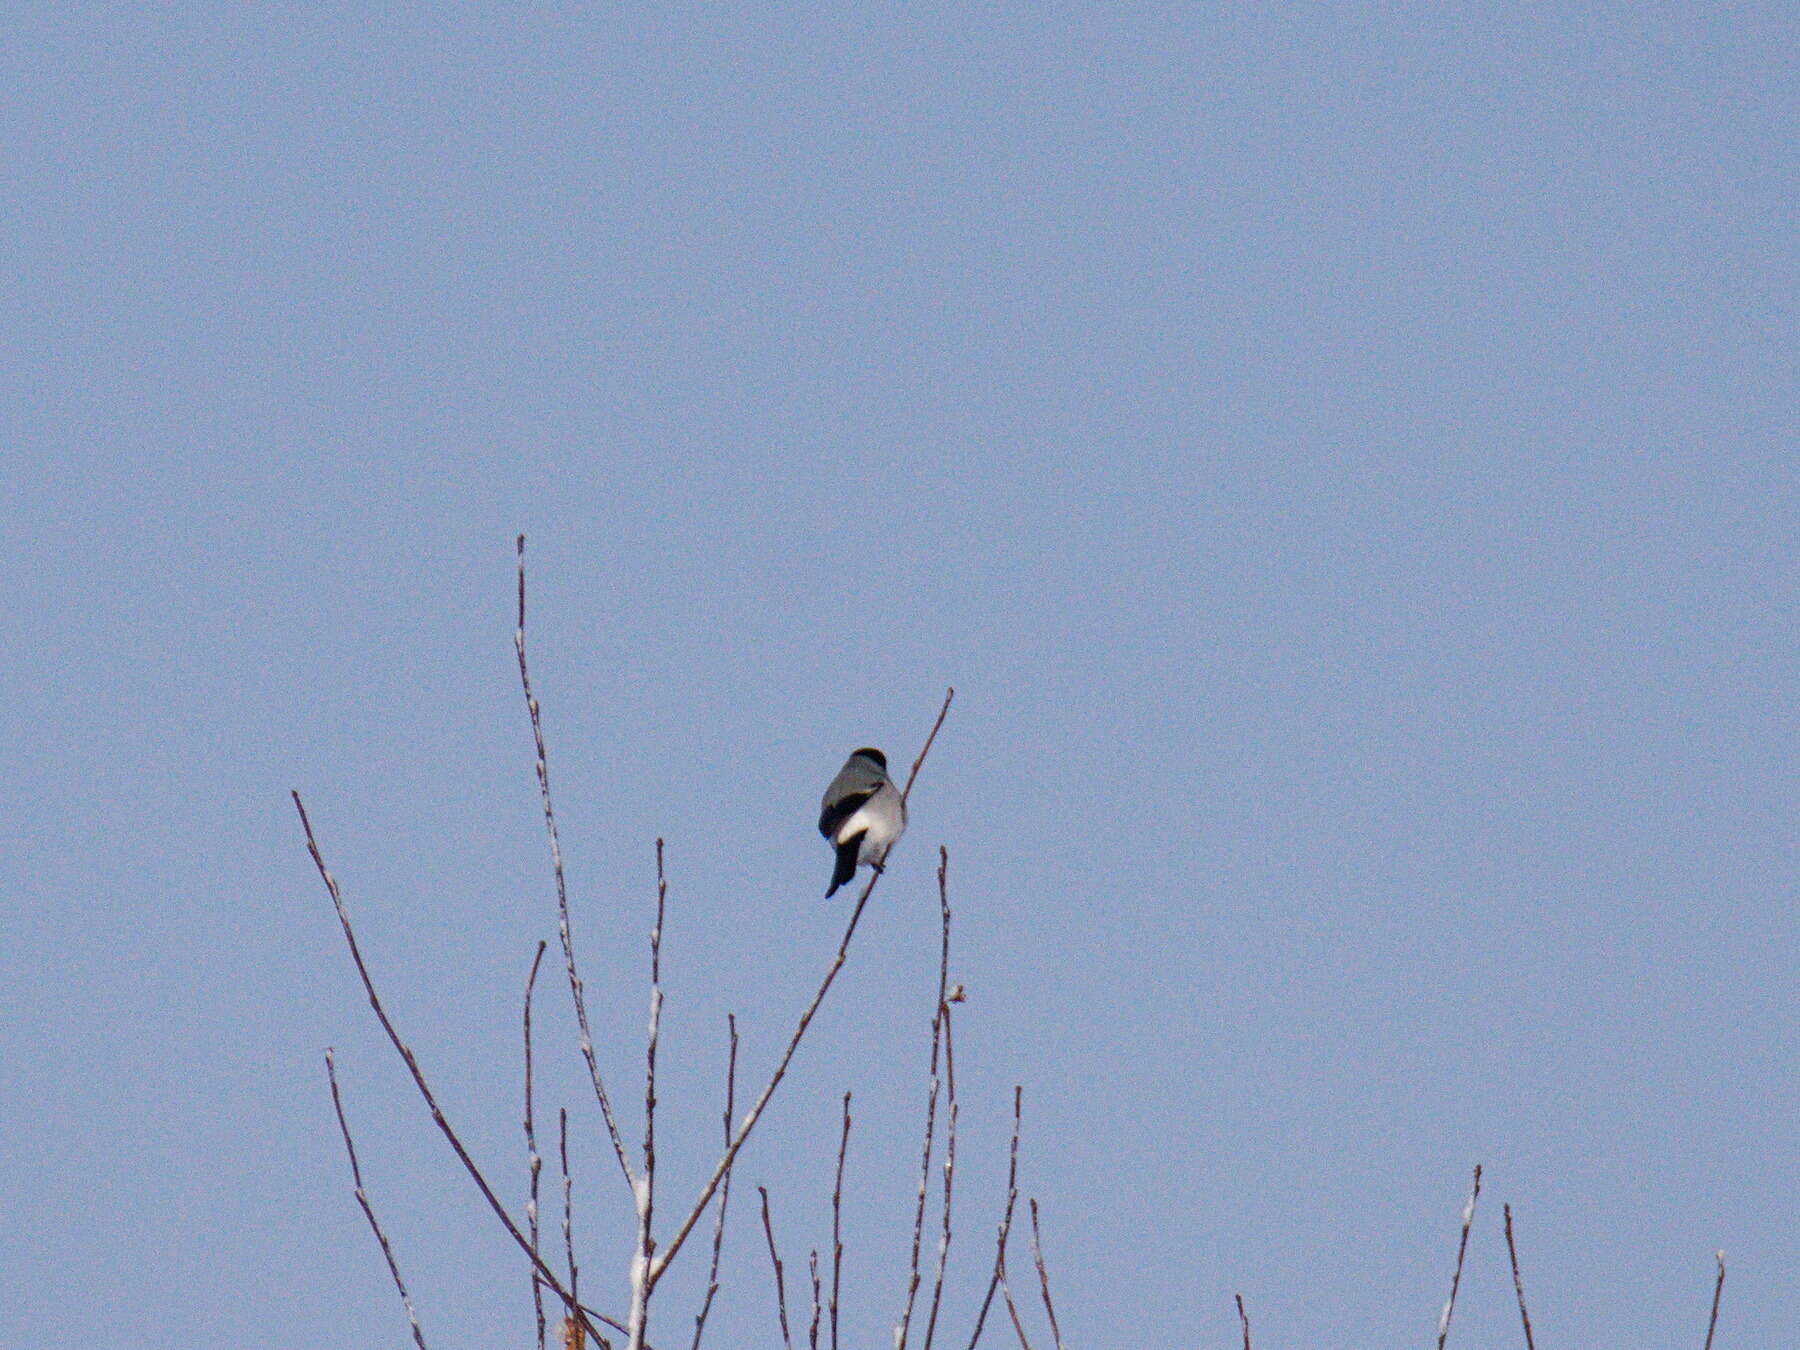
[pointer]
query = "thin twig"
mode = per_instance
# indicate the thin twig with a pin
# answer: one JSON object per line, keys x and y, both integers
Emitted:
{"x": 712, "y": 1279}
{"x": 1037, "y": 1256}
{"x": 1462, "y": 1248}
{"x": 1512, "y": 1253}
{"x": 944, "y": 1000}
{"x": 931, "y": 1100}
{"x": 775, "y": 1259}
{"x": 534, "y": 1160}
{"x": 568, "y": 1181}
{"x": 837, "y": 1213}
{"x": 812, "y": 1331}
{"x": 667, "y": 1254}
{"x": 1012, "y": 1198}
{"x": 1243, "y": 1319}
{"x": 362, "y": 1198}
{"x": 562, "y": 889}
{"x": 644, "y": 1191}
{"x": 1012, "y": 1307}
{"x": 1712, "y": 1323}
{"x": 412, "y": 1064}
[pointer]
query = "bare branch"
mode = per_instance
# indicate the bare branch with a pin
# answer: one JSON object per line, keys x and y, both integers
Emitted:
{"x": 938, "y": 1013}
{"x": 1712, "y": 1323}
{"x": 362, "y": 1198}
{"x": 775, "y": 1260}
{"x": 644, "y": 1191}
{"x": 1243, "y": 1319}
{"x": 1462, "y": 1249}
{"x": 1037, "y": 1256}
{"x": 568, "y": 1181}
{"x": 562, "y": 889}
{"x": 661, "y": 1262}
{"x": 418, "y": 1077}
{"x": 837, "y": 1214}
{"x": 534, "y": 1161}
{"x": 812, "y": 1332}
{"x": 1012, "y": 1198}
{"x": 1512, "y": 1253}
{"x": 944, "y": 1000}
{"x": 712, "y": 1279}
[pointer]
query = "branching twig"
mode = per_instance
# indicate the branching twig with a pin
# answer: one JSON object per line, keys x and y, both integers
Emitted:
{"x": 1712, "y": 1323}
{"x": 418, "y": 1077}
{"x": 1243, "y": 1319}
{"x": 837, "y": 1212}
{"x": 1012, "y": 1198}
{"x": 1512, "y": 1253}
{"x": 534, "y": 1160}
{"x": 712, "y": 1279}
{"x": 1037, "y": 1256}
{"x": 775, "y": 1260}
{"x": 562, "y": 889}
{"x": 667, "y": 1254}
{"x": 1462, "y": 1248}
{"x": 362, "y": 1198}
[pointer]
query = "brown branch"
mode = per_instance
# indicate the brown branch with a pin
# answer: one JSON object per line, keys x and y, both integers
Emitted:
{"x": 1012, "y": 1197}
{"x": 1243, "y": 1319}
{"x": 662, "y": 1259}
{"x": 1712, "y": 1323}
{"x": 775, "y": 1259}
{"x": 534, "y": 1160}
{"x": 812, "y": 1332}
{"x": 1512, "y": 1253}
{"x": 562, "y": 889}
{"x": 412, "y": 1065}
{"x": 362, "y": 1198}
{"x": 1037, "y": 1256}
{"x": 837, "y": 1212}
{"x": 1462, "y": 1248}
{"x": 712, "y": 1279}
{"x": 931, "y": 1100}
{"x": 944, "y": 1001}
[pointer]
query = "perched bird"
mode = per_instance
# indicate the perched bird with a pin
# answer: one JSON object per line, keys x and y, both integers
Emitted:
{"x": 861, "y": 815}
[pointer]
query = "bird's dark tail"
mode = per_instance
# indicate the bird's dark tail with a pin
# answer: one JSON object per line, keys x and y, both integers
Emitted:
{"x": 846, "y": 863}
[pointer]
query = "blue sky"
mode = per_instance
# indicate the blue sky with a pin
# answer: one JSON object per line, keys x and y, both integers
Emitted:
{"x": 1343, "y": 458}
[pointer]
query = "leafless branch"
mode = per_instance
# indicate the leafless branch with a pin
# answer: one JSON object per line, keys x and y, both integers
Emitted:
{"x": 534, "y": 1160}
{"x": 1243, "y": 1319}
{"x": 712, "y": 1279}
{"x": 775, "y": 1260}
{"x": 944, "y": 1001}
{"x": 568, "y": 1181}
{"x": 1037, "y": 1256}
{"x": 562, "y": 889}
{"x": 1012, "y": 1308}
{"x": 1462, "y": 1249}
{"x": 1012, "y": 1198}
{"x": 812, "y": 1331}
{"x": 412, "y": 1064}
{"x": 362, "y": 1198}
{"x": 644, "y": 1191}
{"x": 931, "y": 1100}
{"x": 1512, "y": 1253}
{"x": 661, "y": 1262}
{"x": 837, "y": 1217}
{"x": 837, "y": 1214}
{"x": 1712, "y": 1323}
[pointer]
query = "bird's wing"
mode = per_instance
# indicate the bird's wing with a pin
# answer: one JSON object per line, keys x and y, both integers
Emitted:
{"x": 837, "y": 810}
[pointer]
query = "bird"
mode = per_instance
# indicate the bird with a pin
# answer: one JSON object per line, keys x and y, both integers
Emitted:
{"x": 862, "y": 815}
